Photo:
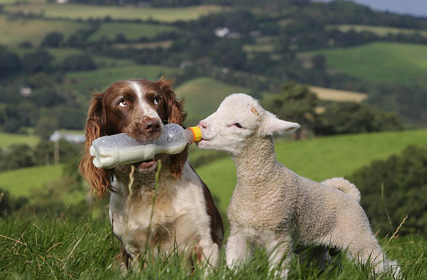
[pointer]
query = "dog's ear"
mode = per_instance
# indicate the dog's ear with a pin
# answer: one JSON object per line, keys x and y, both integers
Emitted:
{"x": 98, "y": 179}
{"x": 176, "y": 114}
{"x": 272, "y": 125}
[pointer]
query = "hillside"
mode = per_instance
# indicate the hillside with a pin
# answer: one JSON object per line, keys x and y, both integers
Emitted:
{"x": 317, "y": 159}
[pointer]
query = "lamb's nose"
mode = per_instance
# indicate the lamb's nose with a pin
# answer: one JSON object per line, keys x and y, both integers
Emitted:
{"x": 202, "y": 124}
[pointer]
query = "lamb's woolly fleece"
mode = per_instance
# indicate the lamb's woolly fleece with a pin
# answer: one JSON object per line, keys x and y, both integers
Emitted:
{"x": 274, "y": 207}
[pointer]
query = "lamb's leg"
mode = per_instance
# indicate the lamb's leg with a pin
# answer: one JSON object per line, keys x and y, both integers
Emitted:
{"x": 238, "y": 250}
{"x": 279, "y": 256}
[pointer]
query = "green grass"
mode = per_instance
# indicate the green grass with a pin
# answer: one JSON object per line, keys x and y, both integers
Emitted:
{"x": 15, "y": 31}
{"x": 203, "y": 96}
{"x": 381, "y": 62}
{"x": 378, "y": 30}
{"x": 85, "y": 12}
{"x": 131, "y": 31}
{"x": 20, "y": 182}
{"x": 65, "y": 249}
{"x": 317, "y": 159}
{"x": 7, "y": 139}
{"x": 85, "y": 82}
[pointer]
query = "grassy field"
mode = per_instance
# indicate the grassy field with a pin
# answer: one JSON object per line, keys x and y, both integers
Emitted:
{"x": 85, "y": 82}
{"x": 379, "y": 30}
{"x": 13, "y": 32}
{"x": 19, "y": 182}
{"x": 338, "y": 95}
{"x": 86, "y": 249}
{"x": 131, "y": 31}
{"x": 85, "y": 12}
{"x": 7, "y": 139}
{"x": 203, "y": 96}
{"x": 317, "y": 159}
{"x": 381, "y": 62}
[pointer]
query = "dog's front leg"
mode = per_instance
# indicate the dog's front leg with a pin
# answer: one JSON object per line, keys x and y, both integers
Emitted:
{"x": 238, "y": 249}
{"x": 279, "y": 256}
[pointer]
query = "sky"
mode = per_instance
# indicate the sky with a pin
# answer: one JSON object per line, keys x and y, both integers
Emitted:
{"x": 408, "y": 7}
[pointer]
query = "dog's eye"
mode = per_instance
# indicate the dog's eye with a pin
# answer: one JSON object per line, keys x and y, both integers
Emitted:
{"x": 238, "y": 125}
{"x": 123, "y": 104}
{"x": 156, "y": 100}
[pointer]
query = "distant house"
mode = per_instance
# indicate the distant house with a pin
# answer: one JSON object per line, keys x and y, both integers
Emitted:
{"x": 72, "y": 138}
{"x": 226, "y": 32}
{"x": 25, "y": 91}
{"x": 62, "y": 1}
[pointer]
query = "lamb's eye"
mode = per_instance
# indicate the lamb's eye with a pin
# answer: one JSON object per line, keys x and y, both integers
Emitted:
{"x": 238, "y": 125}
{"x": 123, "y": 104}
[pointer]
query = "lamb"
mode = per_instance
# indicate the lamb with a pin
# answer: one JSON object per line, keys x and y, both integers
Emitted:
{"x": 274, "y": 207}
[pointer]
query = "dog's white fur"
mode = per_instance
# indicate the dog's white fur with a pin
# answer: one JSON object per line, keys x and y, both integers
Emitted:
{"x": 274, "y": 207}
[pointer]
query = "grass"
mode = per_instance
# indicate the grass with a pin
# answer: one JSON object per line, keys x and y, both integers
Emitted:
{"x": 85, "y": 249}
{"x": 381, "y": 62}
{"x": 20, "y": 182}
{"x": 317, "y": 159}
{"x": 131, "y": 31}
{"x": 15, "y": 31}
{"x": 7, "y": 139}
{"x": 378, "y": 30}
{"x": 338, "y": 95}
{"x": 85, "y": 12}
{"x": 203, "y": 96}
{"x": 85, "y": 82}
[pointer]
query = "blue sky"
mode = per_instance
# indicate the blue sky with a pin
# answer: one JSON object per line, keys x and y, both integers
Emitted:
{"x": 410, "y": 7}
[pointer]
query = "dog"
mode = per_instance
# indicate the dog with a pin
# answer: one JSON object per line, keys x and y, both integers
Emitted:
{"x": 159, "y": 205}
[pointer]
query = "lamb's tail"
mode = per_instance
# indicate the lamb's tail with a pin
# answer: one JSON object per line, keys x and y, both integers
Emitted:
{"x": 344, "y": 186}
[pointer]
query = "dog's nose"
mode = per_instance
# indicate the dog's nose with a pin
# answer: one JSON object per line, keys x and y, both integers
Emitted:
{"x": 150, "y": 125}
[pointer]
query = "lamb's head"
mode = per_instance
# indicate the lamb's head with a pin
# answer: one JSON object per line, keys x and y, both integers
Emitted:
{"x": 238, "y": 118}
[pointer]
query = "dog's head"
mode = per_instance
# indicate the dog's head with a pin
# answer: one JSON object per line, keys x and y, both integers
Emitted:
{"x": 238, "y": 118}
{"x": 139, "y": 108}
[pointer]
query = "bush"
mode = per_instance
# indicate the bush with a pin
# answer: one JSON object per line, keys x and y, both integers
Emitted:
{"x": 394, "y": 188}
{"x": 79, "y": 62}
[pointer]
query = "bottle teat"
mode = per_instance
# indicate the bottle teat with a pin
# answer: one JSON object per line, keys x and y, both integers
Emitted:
{"x": 197, "y": 133}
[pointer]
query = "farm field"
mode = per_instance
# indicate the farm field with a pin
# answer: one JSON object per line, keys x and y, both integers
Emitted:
{"x": 338, "y": 95}
{"x": 317, "y": 159}
{"x": 85, "y": 12}
{"x": 203, "y": 96}
{"x": 7, "y": 139}
{"x": 379, "y": 30}
{"x": 15, "y": 31}
{"x": 131, "y": 31}
{"x": 17, "y": 181}
{"x": 381, "y": 62}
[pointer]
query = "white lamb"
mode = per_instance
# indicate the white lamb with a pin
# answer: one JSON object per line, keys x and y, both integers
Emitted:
{"x": 274, "y": 207}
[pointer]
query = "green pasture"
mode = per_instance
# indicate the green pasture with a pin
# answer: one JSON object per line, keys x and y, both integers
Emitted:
{"x": 83, "y": 83}
{"x": 317, "y": 159}
{"x": 381, "y": 62}
{"x": 203, "y": 96}
{"x": 85, "y": 12}
{"x": 378, "y": 30}
{"x": 131, "y": 31}
{"x": 7, "y": 139}
{"x": 21, "y": 182}
{"x": 15, "y": 31}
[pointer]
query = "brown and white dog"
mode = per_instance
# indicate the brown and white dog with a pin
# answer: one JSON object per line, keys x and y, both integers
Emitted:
{"x": 174, "y": 213}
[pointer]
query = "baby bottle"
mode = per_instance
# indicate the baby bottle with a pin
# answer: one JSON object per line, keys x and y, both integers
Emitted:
{"x": 118, "y": 149}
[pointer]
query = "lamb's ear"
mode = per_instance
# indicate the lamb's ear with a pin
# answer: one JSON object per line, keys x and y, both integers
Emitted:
{"x": 273, "y": 125}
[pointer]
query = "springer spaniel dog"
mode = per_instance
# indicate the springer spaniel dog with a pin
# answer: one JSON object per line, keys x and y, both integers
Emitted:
{"x": 172, "y": 213}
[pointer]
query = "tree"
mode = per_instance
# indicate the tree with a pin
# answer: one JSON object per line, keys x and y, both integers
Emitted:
{"x": 9, "y": 63}
{"x": 52, "y": 40}
{"x": 394, "y": 188}
{"x": 39, "y": 61}
{"x": 79, "y": 62}
{"x": 296, "y": 104}
{"x": 351, "y": 117}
